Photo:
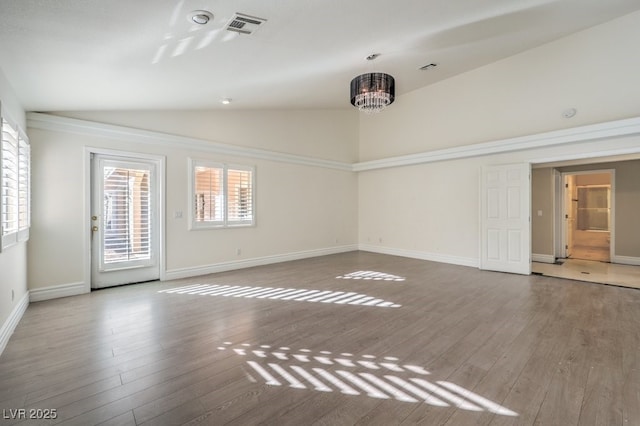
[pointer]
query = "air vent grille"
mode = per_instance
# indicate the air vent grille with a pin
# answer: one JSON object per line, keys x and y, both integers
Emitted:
{"x": 428, "y": 66}
{"x": 244, "y": 24}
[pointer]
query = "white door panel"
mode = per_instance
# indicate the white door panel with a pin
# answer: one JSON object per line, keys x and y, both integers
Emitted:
{"x": 505, "y": 218}
{"x": 124, "y": 221}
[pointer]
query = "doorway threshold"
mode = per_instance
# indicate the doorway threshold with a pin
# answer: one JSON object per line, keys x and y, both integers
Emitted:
{"x": 591, "y": 271}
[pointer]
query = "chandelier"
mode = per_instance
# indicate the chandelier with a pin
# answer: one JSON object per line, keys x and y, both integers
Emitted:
{"x": 372, "y": 92}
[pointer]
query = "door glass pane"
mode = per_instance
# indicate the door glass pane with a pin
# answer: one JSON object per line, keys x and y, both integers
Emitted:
{"x": 593, "y": 208}
{"x": 126, "y": 215}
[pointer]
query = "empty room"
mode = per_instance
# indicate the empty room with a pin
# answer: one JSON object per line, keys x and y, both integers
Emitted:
{"x": 327, "y": 213}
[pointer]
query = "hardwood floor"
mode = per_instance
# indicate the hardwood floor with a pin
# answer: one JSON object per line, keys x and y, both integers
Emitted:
{"x": 417, "y": 343}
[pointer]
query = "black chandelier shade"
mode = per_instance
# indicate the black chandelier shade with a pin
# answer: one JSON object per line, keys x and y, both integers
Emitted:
{"x": 375, "y": 83}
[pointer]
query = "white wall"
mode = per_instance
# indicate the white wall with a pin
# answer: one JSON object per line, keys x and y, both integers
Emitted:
{"x": 13, "y": 261}
{"x": 300, "y": 208}
{"x": 595, "y": 71}
{"x": 326, "y": 134}
{"x": 432, "y": 210}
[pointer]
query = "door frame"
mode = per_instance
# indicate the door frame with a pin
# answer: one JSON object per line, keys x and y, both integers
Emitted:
{"x": 560, "y": 231}
{"x": 160, "y": 164}
{"x": 558, "y": 216}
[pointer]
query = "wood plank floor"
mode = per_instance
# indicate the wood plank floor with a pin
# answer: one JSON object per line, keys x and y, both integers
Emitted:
{"x": 391, "y": 341}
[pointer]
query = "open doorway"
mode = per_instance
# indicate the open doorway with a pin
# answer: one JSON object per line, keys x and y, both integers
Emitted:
{"x": 587, "y": 209}
{"x": 568, "y": 192}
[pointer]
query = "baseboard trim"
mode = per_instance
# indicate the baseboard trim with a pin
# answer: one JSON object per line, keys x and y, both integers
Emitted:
{"x": 175, "y": 274}
{"x": 12, "y": 322}
{"x": 422, "y": 255}
{"x": 626, "y": 260}
{"x": 57, "y": 291}
{"x": 543, "y": 258}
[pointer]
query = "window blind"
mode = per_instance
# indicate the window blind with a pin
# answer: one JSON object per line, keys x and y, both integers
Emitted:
{"x": 24, "y": 185}
{"x": 240, "y": 195}
{"x": 10, "y": 178}
{"x": 209, "y": 200}
{"x": 126, "y": 215}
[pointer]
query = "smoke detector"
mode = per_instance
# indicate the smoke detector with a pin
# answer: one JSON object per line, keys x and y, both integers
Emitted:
{"x": 200, "y": 17}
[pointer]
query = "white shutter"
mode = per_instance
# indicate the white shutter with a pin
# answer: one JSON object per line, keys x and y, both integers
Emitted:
{"x": 208, "y": 194}
{"x": 15, "y": 170}
{"x": 24, "y": 188}
{"x": 9, "y": 182}
{"x": 126, "y": 219}
{"x": 240, "y": 195}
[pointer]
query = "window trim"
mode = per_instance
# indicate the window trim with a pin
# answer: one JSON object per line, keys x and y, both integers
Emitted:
{"x": 23, "y": 149}
{"x": 225, "y": 223}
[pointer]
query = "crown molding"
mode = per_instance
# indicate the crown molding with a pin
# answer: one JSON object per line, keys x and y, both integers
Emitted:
{"x": 72, "y": 125}
{"x": 591, "y": 132}
{"x": 626, "y": 127}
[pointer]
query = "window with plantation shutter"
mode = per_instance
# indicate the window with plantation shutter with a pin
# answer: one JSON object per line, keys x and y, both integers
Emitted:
{"x": 14, "y": 185}
{"x": 220, "y": 195}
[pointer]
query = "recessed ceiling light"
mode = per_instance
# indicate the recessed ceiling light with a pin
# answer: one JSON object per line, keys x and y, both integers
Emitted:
{"x": 226, "y": 101}
{"x": 200, "y": 17}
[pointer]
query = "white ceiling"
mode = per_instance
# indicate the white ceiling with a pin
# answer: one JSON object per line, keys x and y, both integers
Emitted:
{"x": 145, "y": 54}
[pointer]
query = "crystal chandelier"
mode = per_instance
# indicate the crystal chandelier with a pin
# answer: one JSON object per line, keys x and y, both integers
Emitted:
{"x": 372, "y": 92}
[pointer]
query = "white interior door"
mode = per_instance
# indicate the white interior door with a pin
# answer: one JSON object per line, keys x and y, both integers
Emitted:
{"x": 124, "y": 221}
{"x": 505, "y": 194}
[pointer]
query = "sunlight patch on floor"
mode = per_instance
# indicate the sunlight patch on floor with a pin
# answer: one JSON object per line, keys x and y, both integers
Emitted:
{"x": 368, "y": 375}
{"x": 370, "y": 275}
{"x": 279, "y": 293}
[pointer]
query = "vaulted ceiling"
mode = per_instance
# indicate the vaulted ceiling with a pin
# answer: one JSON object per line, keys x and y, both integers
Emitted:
{"x": 148, "y": 54}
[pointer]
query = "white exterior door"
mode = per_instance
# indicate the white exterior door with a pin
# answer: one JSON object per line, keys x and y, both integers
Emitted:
{"x": 505, "y": 198}
{"x": 124, "y": 221}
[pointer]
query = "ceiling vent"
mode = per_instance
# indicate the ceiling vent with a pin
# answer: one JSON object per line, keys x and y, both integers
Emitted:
{"x": 427, "y": 67}
{"x": 245, "y": 24}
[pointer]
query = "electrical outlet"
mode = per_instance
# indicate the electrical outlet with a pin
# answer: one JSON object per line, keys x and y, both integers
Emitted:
{"x": 13, "y": 295}
{"x": 238, "y": 252}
